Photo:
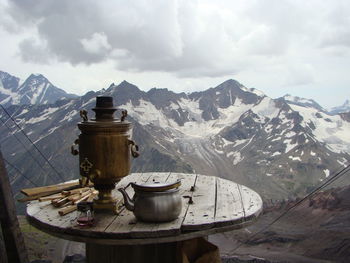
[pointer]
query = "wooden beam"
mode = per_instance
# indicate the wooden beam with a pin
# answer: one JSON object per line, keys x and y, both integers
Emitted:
{"x": 3, "y": 256}
{"x": 13, "y": 239}
{"x": 50, "y": 189}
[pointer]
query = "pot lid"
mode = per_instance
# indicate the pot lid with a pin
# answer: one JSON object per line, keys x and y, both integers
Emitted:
{"x": 156, "y": 187}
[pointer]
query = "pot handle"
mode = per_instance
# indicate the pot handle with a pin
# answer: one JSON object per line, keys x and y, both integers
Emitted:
{"x": 72, "y": 149}
{"x": 134, "y": 149}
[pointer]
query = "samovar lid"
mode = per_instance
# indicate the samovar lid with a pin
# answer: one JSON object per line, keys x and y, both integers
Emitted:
{"x": 156, "y": 186}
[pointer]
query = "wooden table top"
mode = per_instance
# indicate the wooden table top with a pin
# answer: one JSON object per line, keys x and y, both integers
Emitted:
{"x": 218, "y": 205}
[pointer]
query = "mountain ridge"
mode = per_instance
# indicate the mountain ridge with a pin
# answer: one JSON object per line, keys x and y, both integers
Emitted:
{"x": 277, "y": 148}
{"x": 36, "y": 89}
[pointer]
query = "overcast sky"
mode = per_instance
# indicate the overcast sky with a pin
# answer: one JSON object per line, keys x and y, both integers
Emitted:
{"x": 279, "y": 47}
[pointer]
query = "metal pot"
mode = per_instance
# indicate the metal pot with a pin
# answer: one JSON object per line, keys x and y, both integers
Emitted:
{"x": 154, "y": 202}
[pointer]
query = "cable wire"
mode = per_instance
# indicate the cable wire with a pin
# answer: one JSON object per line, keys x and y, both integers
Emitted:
{"x": 336, "y": 176}
{"x": 14, "y": 167}
{"x": 28, "y": 151}
{"x": 59, "y": 175}
{"x": 12, "y": 115}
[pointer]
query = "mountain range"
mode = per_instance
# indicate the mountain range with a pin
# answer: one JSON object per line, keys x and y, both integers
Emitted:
{"x": 281, "y": 148}
{"x": 36, "y": 89}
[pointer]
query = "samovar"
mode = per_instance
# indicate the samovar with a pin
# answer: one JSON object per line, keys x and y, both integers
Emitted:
{"x": 105, "y": 147}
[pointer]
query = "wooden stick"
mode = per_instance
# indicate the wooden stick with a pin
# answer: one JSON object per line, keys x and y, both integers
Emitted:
{"x": 60, "y": 202}
{"x": 75, "y": 191}
{"x": 66, "y": 210}
{"x": 34, "y": 197}
{"x": 74, "y": 197}
{"x": 92, "y": 196}
{"x": 50, "y": 197}
{"x": 82, "y": 199}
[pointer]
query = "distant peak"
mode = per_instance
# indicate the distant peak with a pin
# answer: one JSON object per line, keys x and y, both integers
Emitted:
{"x": 231, "y": 82}
{"x": 38, "y": 76}
{"x": 124, "y": 82}
{"x": 152, "y": 90}
{"x": 127, "y": 85}
{"x": 346, "y": 103}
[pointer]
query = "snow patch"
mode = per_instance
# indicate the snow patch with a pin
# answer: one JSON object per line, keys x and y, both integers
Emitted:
{"x": 343, "y": 162}
{"x": 69, "y": 116}
{"x": 289, "y": 145}
{"x": 326, "y": 172}
{"x": 266, "y": 108}
{"x": 334, "y": 132}
{"x": 45, "y": 115}
{"x": 294, "y": 158}
{"x": 276, "y": 153}
{"x": 289, "y": 134}
{"x": 276, "y": 139}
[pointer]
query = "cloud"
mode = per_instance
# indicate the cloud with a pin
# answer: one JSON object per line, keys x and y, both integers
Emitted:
{"x": 96, "y": 44}
{"x": 185, "y": 38}
{"x": 299, "y": 74}
{"x": 32, "y": 50}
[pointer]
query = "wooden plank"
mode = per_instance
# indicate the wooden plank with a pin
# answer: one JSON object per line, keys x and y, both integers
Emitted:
{"x": 35, "y": 207}
{"x": 13, "y": 239}
{"x": 142, "y": 229}
{"x": 252, "y": 202}
{"x": 51, "y": 189}
{"x": 174, "y": 227}
{"x": 126, "y": 220}
{"x": 229, "y": 209}
{"x": 201, "y": 213}
{"x": 47, "y": 216}
{"x": 104, "y": 219}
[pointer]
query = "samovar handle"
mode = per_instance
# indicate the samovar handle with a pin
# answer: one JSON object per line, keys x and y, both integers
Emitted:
{"x": 72, "y": 149}
{"x": 134, "y": 149}
{"x": 83, "y": 115}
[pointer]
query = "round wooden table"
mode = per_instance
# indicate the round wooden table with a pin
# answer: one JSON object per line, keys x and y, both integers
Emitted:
{"x": 218, "y": 205}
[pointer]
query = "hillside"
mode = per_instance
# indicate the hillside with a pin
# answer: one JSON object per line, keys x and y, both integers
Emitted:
{"x": 315, "y": 231}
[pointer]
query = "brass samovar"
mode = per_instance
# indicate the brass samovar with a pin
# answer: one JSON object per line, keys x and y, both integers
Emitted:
{"x": 104, "y": 151}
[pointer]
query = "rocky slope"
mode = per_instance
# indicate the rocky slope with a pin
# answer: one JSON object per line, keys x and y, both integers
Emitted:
{"x": 315, "y": 231}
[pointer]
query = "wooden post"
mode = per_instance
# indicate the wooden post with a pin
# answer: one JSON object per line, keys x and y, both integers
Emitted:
{"x": 155, "y": 253}
{"x": 13, "y": 239}
{"x": 3, "y": 256}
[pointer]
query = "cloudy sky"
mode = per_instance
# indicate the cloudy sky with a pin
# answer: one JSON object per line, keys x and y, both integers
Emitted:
{"x": 277, "y": 46}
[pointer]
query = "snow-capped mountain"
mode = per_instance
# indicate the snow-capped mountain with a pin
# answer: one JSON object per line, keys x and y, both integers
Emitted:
{"x": 303, "y": 102}
{"x": 36, "y": 89}
{"x": 341, "y": 109}
{"x": 279, "y": 148}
